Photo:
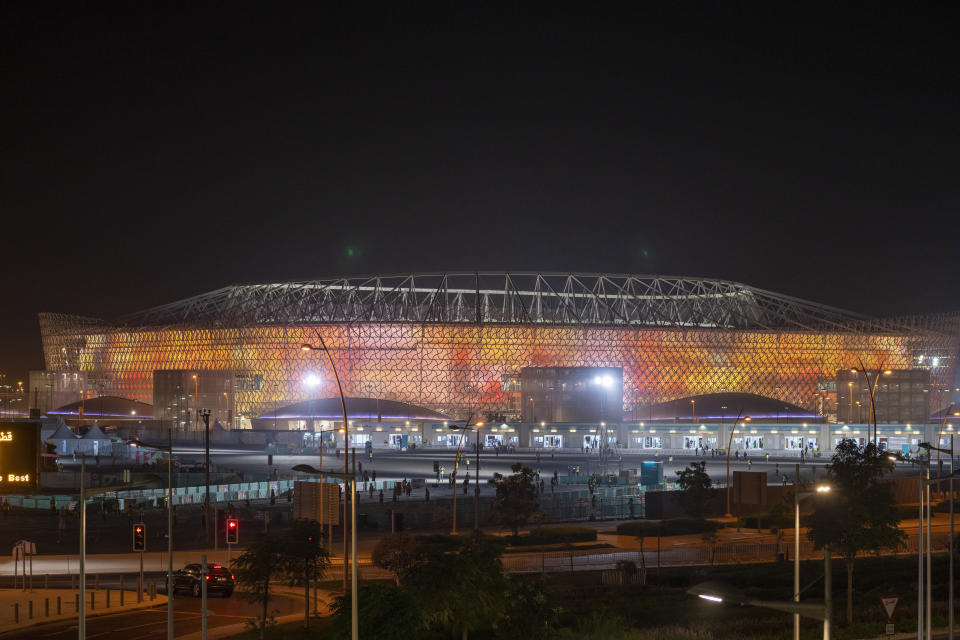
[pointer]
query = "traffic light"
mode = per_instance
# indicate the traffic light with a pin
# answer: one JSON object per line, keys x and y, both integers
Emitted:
{"x": 139, "y": 537}
{"x": 311, "y": 540}
{"x": 233, "y": 531}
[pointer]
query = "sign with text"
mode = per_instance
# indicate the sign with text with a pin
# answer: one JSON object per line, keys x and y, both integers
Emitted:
{"x": 19, "y": 456}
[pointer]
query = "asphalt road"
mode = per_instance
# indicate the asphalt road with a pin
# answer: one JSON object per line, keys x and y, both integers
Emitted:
{"x": 151, "y": 624}
{"x": 419, "y": 463}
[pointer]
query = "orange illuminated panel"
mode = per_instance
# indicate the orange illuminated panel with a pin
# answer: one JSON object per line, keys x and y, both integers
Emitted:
{"x": 19, "y": 456}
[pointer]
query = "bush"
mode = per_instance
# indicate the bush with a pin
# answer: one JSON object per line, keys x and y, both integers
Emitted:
{"x": 675, "y": 527}
{"x": 554, "y": 535}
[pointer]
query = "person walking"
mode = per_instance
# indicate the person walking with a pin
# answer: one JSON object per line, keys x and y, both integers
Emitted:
{"x": 381, "y": 496}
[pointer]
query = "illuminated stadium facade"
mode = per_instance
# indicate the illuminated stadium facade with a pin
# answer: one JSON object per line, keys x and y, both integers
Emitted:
{"x": 458, "y": 342}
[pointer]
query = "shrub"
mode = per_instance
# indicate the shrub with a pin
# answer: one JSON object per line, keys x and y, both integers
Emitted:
{"x": 554, "y": 534}
{"x": 675, "y": 527}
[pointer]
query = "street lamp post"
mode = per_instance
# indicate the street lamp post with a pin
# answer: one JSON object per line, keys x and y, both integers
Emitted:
{"x": 205, "y": 414}
{"x": 169, "y": 450}
{"x": 352, "y": 479}
{"x": 797, "y": 496}
{"x": 346, "y": 436}
{"x": 872, "y": 388}
{"x": 476, "y": 492}
{"x": 733, "y": 430}
{"x": 926, "y": 484}
{"x": 716, "y": 592}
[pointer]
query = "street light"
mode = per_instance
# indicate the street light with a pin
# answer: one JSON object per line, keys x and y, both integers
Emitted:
{"x": 346, "y": 477}
{"x": 872, "y": 388}
{"x": 169, "y": 450}
{"x": 733, "y": 430}
{"x": 926, "y": 483}
{"x": 476, "y": 490}
{"x": 718, "y": 592}
{"x": 827, "y": 571}
{"x": 346, "y": 456}
{"x": 921, "y": 614}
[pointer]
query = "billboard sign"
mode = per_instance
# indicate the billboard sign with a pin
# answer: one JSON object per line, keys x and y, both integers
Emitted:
{"x": 19, "y": 456}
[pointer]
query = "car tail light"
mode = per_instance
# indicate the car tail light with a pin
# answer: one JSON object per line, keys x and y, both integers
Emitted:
{"x": 231, "y": 577}
{"x": 207, "y": 576}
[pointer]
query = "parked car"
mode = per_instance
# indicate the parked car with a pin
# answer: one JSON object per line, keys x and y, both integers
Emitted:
{"x": 219, "y": 580}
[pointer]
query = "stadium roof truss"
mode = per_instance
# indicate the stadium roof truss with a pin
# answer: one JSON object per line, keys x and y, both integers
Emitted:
{"x": 512, "y": 298}
{"x": 452, "y": 341}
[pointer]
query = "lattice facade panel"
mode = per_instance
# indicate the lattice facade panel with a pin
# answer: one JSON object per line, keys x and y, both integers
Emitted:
{"x": 460, "y": 368}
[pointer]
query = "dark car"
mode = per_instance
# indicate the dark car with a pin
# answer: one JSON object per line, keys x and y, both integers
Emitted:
{"x": 219, "y": 580}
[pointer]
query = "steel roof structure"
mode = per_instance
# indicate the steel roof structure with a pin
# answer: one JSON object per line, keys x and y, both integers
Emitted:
{"x": 456, "y": 342}
{"x": 511, "y": 298}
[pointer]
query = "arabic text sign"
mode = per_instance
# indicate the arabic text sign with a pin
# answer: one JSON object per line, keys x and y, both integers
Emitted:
{"x": 19, "y": 456}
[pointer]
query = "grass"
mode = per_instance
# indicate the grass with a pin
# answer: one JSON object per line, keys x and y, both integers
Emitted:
{"x": 290, "y": 631}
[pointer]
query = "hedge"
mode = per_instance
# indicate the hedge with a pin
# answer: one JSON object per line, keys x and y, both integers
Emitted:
{"x": 554, "y": 534}
{"x": 675, "y": 527}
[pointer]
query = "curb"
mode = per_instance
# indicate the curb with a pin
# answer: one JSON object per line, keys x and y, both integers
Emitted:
{"x": 38, "y": 622}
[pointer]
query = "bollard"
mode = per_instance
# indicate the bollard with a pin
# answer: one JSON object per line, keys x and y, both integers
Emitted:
{"x": 46, "y": 607}
{"x": 93, "y": 601}
{"x": 108, "y": 598}
{"x": 30, "y": 610}
{"x": 59, "y": 609}
{"x": 16, "y": 613}
{"x": 73, "y": 581}
{"x": 96, "y": 581}
{"x": 121, "y": 592}
{"x": 76, "y": 602}
{"x": 153, "y": 592}
{"x": 46, "y": 581}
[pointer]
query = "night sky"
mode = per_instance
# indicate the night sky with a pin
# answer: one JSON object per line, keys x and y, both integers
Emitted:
{"x": 153, "y": 151}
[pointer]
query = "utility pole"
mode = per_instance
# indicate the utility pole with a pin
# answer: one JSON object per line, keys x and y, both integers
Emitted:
{"x": 205, "y": 414}
{"x": 476, "y": 489}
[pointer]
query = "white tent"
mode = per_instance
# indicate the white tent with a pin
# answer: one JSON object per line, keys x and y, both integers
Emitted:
{"x": 64, "y": 440}
{"x": 95, "y": 442}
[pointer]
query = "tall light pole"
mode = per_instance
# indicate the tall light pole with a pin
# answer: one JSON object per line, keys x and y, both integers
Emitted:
{"x": 352, "y": 479}
{"x": 346, "y": 436}
{"x": 205, "y": 414}
{"x": 872, "y": 388}
{"x": 921, "y": 612}
{"x": 476, "y": 492}
{"x": 733, "y": 430}
{"x": 456, "y": 465}
{"x": 797, "y": 497}
{"x": 169, "y": 450}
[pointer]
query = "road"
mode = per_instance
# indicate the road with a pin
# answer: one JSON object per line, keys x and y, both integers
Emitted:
{"x": 151, "y": 624}
{"x": 418, "y": 463}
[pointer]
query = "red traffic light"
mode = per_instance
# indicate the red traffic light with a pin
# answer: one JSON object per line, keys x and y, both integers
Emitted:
{"x": 139, "y": 537}
{"x": 233, "y": 531}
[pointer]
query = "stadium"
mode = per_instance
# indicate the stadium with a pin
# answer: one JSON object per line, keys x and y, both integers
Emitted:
{"x": 458, "y": 344}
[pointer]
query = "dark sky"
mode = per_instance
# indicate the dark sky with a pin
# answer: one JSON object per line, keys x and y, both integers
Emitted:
{"x": 152, "y": 151}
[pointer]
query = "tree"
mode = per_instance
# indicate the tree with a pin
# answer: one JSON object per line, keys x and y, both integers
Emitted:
{"x": 256, "y": 569}
{"x": 531, "y": 613}
{"x": 516, "y": 499}
{"x": 859, "y": 514}
{"x": 395, "y": 553}
{"x": 468, "y": 574}
{"x": 697, "y": 488}
{"x": 303, "y": 557}
{"x": 386, "y": 612}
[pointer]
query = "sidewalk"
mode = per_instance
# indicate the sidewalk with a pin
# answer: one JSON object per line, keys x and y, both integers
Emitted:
{"x": 44, "y": 598}
{"x": 225, "y": 631}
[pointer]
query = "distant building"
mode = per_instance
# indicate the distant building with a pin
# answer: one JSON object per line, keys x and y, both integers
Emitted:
{"x": 901, "y": 396}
